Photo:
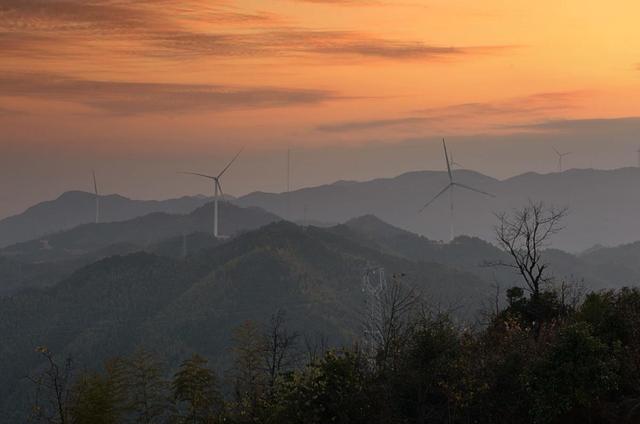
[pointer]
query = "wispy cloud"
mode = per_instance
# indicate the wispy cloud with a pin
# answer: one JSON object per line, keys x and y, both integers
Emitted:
{"x": 130, "y": 98}
{"x": 373, "y": 124}
{"x": 572, "y": 125}
{"x": 527, "y": 107}
{"x": 343, "y": 2}
{"x": 4, "y": 112}
{"x": 304, "y": 42}
{"x": 163, "y": 28}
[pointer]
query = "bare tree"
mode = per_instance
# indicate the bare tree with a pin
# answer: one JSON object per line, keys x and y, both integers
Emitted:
{"x": 280, "y": 347}
{"x": 53, "y": 390}
{"x": 524, "y": 234}
{"x": 316, "y": 346}
{"x": 389, "y": 324}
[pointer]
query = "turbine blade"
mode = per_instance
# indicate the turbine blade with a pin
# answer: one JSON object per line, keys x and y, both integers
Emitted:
{"x": 95, "y": 184}
{"x": 446, "y": 157}
{"x": 229, "y": 164}
{"x": 473, "y": 189}
{"x": 556, "y": 150}
{"x": 444, "y": 190}
{"x": 220, "y": 192}
{"x": 199, "y": 175}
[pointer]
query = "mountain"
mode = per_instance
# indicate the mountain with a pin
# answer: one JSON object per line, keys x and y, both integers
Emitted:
{"x": 177, "y": 306}
{"x": 44, "y": 260}
{"x": 597, "y": 269}
{"x": 77, "y": 207}
{"x": 589, "y": 194}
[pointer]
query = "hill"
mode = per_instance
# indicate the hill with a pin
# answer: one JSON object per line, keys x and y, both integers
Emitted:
{"x": 175, "y": 306}
{"x": 47, "y": 259}
{"x": 77, "y": 207}
{"x": 589, "y": 194}
{"x": 598, "y": 269}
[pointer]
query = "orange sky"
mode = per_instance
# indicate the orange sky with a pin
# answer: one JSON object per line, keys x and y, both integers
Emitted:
{"x": 187, "y": 79}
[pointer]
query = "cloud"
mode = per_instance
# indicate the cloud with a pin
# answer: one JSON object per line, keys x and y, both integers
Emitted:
{"x": 523, "y": 105}
{"x": 343, "y": 2}
{"x": 630, "y": 123}
{"x": 123, "y": 15}
{"x": 131, "y": 98}
{"x": 164, "y": 28}
{"x": 4, "y": 112}
{"x": 303, "y": 42}
{"x": 457, "y": 115}
{"x": 372, "y": 124}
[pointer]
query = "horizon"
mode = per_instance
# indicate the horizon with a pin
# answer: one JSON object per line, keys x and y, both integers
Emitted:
{"x": 236, "y": 196}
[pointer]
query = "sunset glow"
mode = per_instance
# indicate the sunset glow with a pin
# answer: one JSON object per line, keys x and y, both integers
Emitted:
{"x": 114, "y": 79}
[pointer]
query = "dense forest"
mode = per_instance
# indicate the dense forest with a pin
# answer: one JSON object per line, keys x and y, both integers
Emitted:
{"x": 546, "y": 352}
{"x": 539, "y": 360}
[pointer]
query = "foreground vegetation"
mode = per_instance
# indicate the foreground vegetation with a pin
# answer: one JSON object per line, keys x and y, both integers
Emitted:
{"x": 545, "y": 354}
{"x": 539, "y": 360}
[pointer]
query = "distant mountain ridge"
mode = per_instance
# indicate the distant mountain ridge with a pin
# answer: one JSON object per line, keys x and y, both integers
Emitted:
{"x": 41, "y": 261}
{"x": 73, "y": 208}
{"x": 604, "y": 205}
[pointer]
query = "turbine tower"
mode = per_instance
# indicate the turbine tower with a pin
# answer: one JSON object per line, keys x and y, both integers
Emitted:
{"x": 95, "y": 190}
{"x": 560, "y": 156}
{"x": 449, "y": 188}
{"x": 217, "y": 189}
{"x": 288, "y": 206}
{"x": 638, "y": 157}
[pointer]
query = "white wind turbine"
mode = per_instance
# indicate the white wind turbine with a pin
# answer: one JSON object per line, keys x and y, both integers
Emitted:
{"x": 560, "y": 156}
{"x": 95, "y": 190}
{"x": 217, "y": 190}
{"x": 449, "y": 188}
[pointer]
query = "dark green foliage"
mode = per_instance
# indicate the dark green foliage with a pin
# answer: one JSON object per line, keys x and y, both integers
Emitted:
{"x": 576, "y": 373}
{"x": 96, "y": 400}
{"x": 580, "y": 367}
{"x": 336, "y": 389}
{"x": 195, "y": 393}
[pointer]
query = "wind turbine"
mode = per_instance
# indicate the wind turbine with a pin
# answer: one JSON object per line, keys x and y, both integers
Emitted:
{"x": 638, "y": 157}
{"x": 449, "y": 188}
{"x": 217, "y": 189}
{"x": 95, "y": 190}
{"x": 560, "y": 156}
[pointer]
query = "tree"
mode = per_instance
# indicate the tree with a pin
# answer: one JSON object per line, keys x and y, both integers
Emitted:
{"x": 335, "y": 389}
{"x": 280, "y": 353}
{"x": 141, "y": 382}
{"x": 95, "y": 400}
{"x": 427, "y": 383}
{"x": 569, "y": 381}
{"x": 247, "y": 374}
{"x": 53, "y": 390}
{"x": 195, "y": 392}
{"x": 387, "y": 323}
{"x": 524, "y": 234}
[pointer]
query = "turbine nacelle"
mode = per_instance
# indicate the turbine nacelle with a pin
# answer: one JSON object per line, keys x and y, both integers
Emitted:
{"x": 449, "y": 188}
{"x": 217, "y": 189}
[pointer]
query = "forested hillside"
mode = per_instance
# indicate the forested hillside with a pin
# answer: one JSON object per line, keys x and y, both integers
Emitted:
{"x": 46, "y": 260}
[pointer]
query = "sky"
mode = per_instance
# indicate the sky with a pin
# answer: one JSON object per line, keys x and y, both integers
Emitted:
{"x": 138, "y": 90}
